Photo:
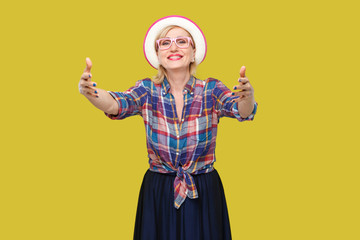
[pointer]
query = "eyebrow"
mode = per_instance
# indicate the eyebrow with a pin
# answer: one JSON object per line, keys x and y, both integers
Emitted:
{"x": 177, "y": 36}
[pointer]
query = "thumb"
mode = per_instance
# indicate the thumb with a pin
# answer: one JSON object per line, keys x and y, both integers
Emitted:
{"x": 88, "y": 65}
{"x": 242, "y": 71}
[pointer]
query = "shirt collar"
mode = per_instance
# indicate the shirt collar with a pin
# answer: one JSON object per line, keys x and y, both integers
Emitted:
{"x": 189, "y": 87}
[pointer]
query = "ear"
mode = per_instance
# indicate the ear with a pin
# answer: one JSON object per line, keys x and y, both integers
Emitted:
{"x": 194, "y": 52}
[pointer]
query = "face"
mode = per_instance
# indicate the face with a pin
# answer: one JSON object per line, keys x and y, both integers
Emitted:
{"x": 176, "y": 58}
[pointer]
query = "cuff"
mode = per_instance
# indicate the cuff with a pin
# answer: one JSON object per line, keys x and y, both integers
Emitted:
{"x": 235, "y": 110}
{"x": 118, "y": 98}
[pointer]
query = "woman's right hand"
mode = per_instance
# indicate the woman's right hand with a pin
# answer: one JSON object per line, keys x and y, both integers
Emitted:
{"x": 86, "y": 86}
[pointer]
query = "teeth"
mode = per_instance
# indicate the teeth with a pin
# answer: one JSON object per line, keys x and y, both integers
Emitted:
{"x": 175, "y": 57}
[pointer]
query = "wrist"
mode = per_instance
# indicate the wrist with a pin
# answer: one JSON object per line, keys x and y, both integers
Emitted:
{"x": 246, "y": 107}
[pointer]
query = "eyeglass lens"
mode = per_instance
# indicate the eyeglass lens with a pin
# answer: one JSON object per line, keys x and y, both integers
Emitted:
{"x": 181, "y": 42}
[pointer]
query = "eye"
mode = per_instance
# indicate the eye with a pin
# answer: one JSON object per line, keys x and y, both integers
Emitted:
{"x": 182, "y": 40}
{"x": 165, "y": 42}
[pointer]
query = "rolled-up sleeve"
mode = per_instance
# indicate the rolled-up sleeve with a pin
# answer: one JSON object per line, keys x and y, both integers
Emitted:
{"x": 223, "y": 105}
{"x": 235, "y": 110}
{"x": 130, "y": 102}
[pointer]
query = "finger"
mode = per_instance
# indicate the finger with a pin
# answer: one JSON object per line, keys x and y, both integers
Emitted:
{"x": 242, "y": 87}
{"x": 92, "y": 94}
{"x": 243, "y": 80}
{"x": 85, "y": 83}
{"x": 90, "y": 84}
{"x": 90, "y": 91}
{"x": 86, "y": 76}
{"x": 88, "y": 65}
{"x": 242, "y": 71}
{"x": 85, "y": 86}
{"x": 241, "y": 93}
{"x": 240, "y": 98}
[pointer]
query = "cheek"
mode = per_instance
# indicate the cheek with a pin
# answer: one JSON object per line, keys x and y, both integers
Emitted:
{"x": 160, "y": 57}
{"x": 192, "y": 54}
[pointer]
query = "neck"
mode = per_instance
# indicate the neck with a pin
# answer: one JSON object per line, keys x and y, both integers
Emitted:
{"x": 178, "y": 80}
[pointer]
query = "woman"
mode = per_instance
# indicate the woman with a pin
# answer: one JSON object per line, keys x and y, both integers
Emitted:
{"x": 181, "y": 196}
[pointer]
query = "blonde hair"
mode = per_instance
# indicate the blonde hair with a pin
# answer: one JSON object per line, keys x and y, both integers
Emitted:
{"x": 159, "y": 78}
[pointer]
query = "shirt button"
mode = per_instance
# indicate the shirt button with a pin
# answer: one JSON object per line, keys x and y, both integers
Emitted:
{"x": 177, "y": 153}
{"x": 177, "y": 136}
{"x": 191, "y": 93}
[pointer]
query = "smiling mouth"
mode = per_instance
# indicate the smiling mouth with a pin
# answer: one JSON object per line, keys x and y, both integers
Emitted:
{"x": 175, "y": 58}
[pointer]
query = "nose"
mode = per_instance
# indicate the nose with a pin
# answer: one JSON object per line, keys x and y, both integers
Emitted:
{"x": 173, "y": 46}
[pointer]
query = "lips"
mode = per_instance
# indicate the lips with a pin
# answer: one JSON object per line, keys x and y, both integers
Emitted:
{"x": 174, "y": 57}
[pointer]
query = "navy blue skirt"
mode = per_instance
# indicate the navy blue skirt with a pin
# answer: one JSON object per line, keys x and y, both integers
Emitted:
{"x": 203, "y": 218}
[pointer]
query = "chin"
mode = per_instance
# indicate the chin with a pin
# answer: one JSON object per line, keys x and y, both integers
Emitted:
{"x": 176, "y": 66}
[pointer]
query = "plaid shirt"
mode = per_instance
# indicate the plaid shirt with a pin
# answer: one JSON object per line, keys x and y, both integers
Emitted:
{"x": 183, "y": 145}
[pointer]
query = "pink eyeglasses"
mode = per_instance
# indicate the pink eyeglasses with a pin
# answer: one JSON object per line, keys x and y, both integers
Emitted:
{"x": 181, "y": 42}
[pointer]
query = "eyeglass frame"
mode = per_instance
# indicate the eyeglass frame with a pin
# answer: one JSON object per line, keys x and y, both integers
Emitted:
{"x": 174, "y": 40}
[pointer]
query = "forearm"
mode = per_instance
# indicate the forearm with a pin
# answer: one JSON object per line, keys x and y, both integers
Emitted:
{"x": 246, "y": 107}
{"x": 105, "y": 102}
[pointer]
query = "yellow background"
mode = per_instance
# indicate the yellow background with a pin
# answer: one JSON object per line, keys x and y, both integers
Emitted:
{"x": 68, "y": 172}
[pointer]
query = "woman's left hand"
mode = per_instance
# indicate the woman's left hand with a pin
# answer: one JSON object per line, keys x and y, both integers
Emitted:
{"x": 246, "y": 91}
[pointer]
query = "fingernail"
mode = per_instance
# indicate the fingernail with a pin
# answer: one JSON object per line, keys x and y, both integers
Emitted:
{"x": 239, "y": 80}
{"x": 233, "y": 94}
{"x": 234, "y": 87}
{"x": 97, "y": 96}
{"x": 94, "y": 84}
{"x": 89, "y": 75}
{"x": 95, "y": 91}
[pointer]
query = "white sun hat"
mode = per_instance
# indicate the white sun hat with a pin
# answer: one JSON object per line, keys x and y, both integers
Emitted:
{"x": 183, "y": 22}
